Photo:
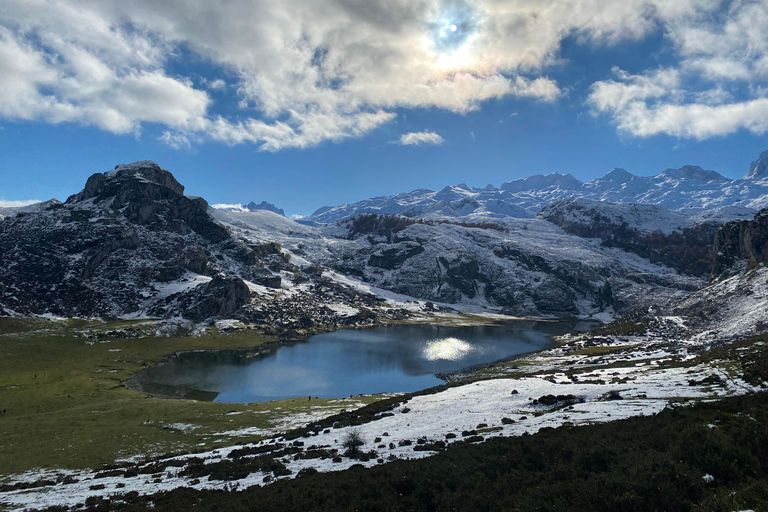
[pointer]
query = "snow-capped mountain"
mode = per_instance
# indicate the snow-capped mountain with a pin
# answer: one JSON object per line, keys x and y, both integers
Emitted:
{"x": 689, "y": 187}
{"x": 250, "y": 207}
{"x": 12, "y": 211}
{"x": 132, "y": 244}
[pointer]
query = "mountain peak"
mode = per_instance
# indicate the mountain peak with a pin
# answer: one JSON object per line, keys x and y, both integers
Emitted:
{"x": 759, "y": 167}
{"x": 129, "y": 176}
{"x": 264, "y": 206}
{"x": 618, "y": 174}
{"x": 539, "y": 181}
{"x": 693, "y": 172}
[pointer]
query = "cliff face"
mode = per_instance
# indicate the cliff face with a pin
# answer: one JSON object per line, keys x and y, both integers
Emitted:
{"x": 741, "y": 245}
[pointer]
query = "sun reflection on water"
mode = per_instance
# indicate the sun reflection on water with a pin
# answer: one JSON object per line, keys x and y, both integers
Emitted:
{"x": 446, "y": 348}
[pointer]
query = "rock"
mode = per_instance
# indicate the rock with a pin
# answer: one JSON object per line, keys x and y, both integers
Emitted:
{"x": 219, "y": 298}
{"x": 741, "y": 241}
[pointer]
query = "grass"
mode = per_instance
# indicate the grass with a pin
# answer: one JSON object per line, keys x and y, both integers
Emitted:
{"x": 66, "y": 406}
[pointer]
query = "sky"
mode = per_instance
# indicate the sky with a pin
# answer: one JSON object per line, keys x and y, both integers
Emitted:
{"x": 307, "y": 103}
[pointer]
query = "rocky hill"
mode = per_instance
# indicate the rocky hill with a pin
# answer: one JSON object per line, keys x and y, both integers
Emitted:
{"x": 131, "y": 244}
{"x": 741, "y": 244}
{"x": 681, "y": 239}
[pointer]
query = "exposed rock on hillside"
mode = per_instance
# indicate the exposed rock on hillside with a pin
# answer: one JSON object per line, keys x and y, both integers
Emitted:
{"x": 740, "y": 243}
{"x": 682, "y": 240}
{"x": 521, "y": 266}
{"x": 128, "y": 239}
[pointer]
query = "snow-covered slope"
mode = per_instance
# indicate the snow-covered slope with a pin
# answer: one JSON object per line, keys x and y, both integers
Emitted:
{"x": 455, "y": 201}
{"x": 689, "y": 187}
{"x": 131, "y": 244}
{"x": 12, "y": 211}
{"x": 518, "y": 266}
{"x": 521, "y": 266}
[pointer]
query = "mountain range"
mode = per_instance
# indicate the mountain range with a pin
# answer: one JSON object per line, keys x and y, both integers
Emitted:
{"x": 687, "y": 188}
{"x": 132, "y": 245}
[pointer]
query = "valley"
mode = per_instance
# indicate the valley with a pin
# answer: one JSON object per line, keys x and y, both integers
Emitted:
{"x": 130, "y": 271}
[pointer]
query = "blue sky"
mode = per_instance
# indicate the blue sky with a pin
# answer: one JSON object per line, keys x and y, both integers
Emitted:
{"x": 312, "y": 104}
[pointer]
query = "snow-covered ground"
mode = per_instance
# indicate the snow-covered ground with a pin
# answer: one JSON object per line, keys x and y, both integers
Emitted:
{"x": 627, "y": 376}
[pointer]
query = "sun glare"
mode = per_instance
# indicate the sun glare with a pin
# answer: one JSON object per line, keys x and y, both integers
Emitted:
{"x": 446, "y": 348}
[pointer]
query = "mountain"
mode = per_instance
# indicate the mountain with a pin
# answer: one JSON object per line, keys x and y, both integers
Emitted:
{"x": 759, "y": 168}
{"x": 735, "y": 303}
{"x": 452, "y": 201}
{"x": 689, "y": 187}
{"x": 265, "y": 206}
{"x": 681, "y": 239}
{"x": 250, "y": 207}
{"x": 131, "y": 244}
{"x": 11, "y": 211}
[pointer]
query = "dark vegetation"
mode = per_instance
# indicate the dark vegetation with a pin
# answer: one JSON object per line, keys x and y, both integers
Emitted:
{"x": 651, "y": 463}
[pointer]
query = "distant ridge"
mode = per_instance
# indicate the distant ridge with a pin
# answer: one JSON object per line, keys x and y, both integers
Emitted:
{"x": 689, "y": 187}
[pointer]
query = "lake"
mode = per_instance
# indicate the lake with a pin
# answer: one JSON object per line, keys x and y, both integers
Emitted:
{"x": 347, "y": 362}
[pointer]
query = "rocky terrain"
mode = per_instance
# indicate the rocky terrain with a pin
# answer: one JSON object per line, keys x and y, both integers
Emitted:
{"x": 132, "y": 245}
{"x": 649, "y": 361}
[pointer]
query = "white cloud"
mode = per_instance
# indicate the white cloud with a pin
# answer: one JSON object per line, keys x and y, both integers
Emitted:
{"x": 716, "y": 88}
{"x": 306, "y": 72}
{"x": 217, "y": 84}
{"x": 4, "y": 203}
{"x": 657, "y": 103}
{"x": 424, "y": 138}
{"x": 695, "y": 120}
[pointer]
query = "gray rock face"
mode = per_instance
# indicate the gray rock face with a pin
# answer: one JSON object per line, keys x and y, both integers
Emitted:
{"x": 744, "y": 241}
{"x": 108, "y": 250}
{"x": 221, "y": 297}
{"x": 758, "y": 168}
{"x": 527, "y": 267}
{"x": 662, "y": 236}
{"x": 265, "y": 206}
{"x": 148, "y": 195}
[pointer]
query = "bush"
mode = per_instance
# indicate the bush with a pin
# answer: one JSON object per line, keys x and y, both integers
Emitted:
{"x": 352, "y": 442}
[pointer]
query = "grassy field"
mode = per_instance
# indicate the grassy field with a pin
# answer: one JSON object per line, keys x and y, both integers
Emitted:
{"x": 61, "y": 387}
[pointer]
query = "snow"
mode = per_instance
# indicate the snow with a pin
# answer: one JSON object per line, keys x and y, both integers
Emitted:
{"x": 187, "y": 282}
{"x": 689, "y": 187}
{"x": 646, "y": 373}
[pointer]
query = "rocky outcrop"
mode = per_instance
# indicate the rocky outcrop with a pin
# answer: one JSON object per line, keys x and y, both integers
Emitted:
{"x": 221, "y": 297}
{"x": 149, "y": 195}
{"x": 660, "y": 235}
{"x": 741, "y": 245}
{"x": 121, "y": 246}
{"x": 525, "y": 267}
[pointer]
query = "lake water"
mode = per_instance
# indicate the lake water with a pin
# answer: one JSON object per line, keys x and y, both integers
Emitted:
{"x": 348, "y": 362}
